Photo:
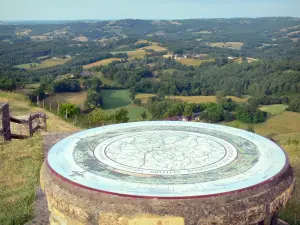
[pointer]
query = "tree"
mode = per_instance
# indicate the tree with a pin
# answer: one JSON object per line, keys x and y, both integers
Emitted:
{"x": 294, "y": 105}
{"x": 248, "y": 114}
{"x": 188, "y": 110}
{"x": 221, "y": 97}
{"x": 137, "y": 102}
{"x": 132, "y": 94}
{"x": 7, "y": 84}
{"x": 68, "y": 110}
{"x": 143, "y": 116}
{"x": 97, "y": 117}
{"x": 121, "y": 116}
{"x": 93, "y": 100}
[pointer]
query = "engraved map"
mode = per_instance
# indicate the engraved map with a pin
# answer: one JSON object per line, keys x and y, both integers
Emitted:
{"x": 166, "y": 159}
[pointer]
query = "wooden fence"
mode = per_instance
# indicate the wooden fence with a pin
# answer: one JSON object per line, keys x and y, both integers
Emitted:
{"x": 6, "y": 120}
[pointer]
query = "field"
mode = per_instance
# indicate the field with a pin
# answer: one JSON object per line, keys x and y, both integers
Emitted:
{"x": 194, "y": 62}
{"x": 115, "y": 99}
{"x": 203, "y": 32}
{"x": 81, "y": 38}
{"x": 76, "y": 98}
{"x": 280, "y": 127}
{"x": 44, "y": 64}
{"x": 155, "y": 48}
{"x": 106, "y": 81}
{"x": 233, "y": 45}
{"x": 136, "y": 54}
{"x": 204, "y": 99}
{"x": 133, "y": 54}
{"x": 274, "y": 109}
{"x": 101, "y": 63}
{"x": 143, "y": 97}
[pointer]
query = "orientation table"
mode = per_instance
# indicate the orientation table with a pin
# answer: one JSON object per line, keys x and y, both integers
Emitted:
{"x": 162, "y": 172}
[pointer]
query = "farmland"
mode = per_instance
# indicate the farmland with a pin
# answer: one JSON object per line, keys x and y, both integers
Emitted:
{"x": 101, "y": 63}
{"x": 115, "y": 99}
{"x": 274, "y": 109}
{"x": 233, "y": 45}
{"x": 204, "y": 99}
{"x": 280, "y": 127}
{"x": 44, "y": 64}
{"x": 194, "y": 62}
{"x": 81, "y": 38}
{"x": 76, "y": 98}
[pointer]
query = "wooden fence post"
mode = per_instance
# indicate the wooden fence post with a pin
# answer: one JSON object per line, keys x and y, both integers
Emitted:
{"x": 43, "y": 104}
{"x": 50, "y": 107}
{"x": 58, "y": 108}
{"x": 37, "y": 100}
{"x": 30, "y": 126}
{"x": 45, "y": 121}
{"x": 6, "y": 122}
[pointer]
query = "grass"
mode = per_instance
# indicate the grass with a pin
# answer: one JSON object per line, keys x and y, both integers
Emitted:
{"x": 44, "y": 64}
{"x": 133, "y": 54}
{"x": 116, "y": 99}
{"x": 233, "y": 45}
{"x": 274, "y": 109}
{"x": 106, "y": 81}
{"x": 194, "y": 62}
{"x": 136, "y": 54}
{"x": 101, "y": 63}
{"x": 155, "y": 48}
{"x": 76, "y": 98}
{"x": 280, "y": 127}
{"x": 20, "y": 162}
{"x": 291, "y": 213}
{"x": 204, "y": 99}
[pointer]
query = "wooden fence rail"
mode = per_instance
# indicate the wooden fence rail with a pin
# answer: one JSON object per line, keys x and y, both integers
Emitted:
{"x": 7, "y": 119}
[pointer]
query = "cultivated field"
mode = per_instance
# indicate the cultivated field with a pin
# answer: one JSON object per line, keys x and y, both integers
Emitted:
{"x": 194, "y": 62}
{"x": 44, "y": 64}
{"x": 133, "y": 54}
{"x": 204, "y": 99}
{"x": 101, "y": 63}
{"x": 76, "y": 98}
{"x": 233, "y": 45}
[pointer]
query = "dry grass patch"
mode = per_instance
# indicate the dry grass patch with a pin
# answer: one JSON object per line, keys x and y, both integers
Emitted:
{"x": 76, "y": 98}
{"x": 81, "y": 38}
{"x": 194, "y": 62}
{"x": 44, "y": 64}
{"x": 155, "y": 48}
{"x": 233, "y": 45}
{"x": 101, "y": 63}
{"x": 144, "y": 97}
{"x": 136, "y": 54}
